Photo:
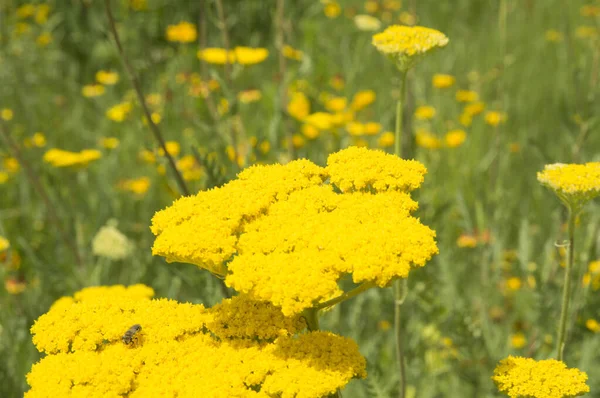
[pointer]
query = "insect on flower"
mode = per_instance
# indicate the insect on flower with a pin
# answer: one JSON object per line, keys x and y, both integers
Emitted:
{"x": 128, "y": 337}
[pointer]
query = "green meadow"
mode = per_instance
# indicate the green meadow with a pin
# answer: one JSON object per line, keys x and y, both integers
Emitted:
{"x": 232, "y": 84}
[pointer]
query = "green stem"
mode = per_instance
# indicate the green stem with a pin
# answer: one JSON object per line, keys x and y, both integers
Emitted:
{"x": 311, "y": 315}
{"x": 400, "y": 285}
{"x": 399, "y": 108}
{"x": 400, "y": 292}
{"x": 562, "y": 327}
{"x": 347, "y": 295}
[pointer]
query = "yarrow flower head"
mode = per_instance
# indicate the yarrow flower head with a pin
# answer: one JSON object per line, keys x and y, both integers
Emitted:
{"x": 574, "y": 184}
{"x": 288, "y": 234}
{"x": 109, "y": 242}
{"x": 62, "y": 158}
{"x": 406, "y": 45}
{"x": 241, "y": 347}
{"x": 520, "y": 377}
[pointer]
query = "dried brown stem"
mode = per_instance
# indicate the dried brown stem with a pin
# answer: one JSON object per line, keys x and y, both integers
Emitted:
{"x": 140, "y": 95}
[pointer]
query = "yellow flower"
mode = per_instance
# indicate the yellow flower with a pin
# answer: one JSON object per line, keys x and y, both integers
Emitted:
{"x": 119, "y": 112}
{"x": 320, "y": 120}
{"x": 386, "y": 139}
{"x": 298, "y": 141}
{"x": 553, "y": 36}
{"x": 428, "y": 140}
{"x": 405, "y": 45}
{"x": 372, "y": 128}
{"x": 217, "y": 56}
{"x": 3, "y": 177}
{"x": 474, "y": 108}
{"x": 4, "y": 243}
{"x": 265, "y": 147}
{"x": 574, "y": 184}
{"x": 108, "y": 78}
{"x": 455, "y": 138}
{"x": 249, "y": 96}
{"x": 292, "y": 53}
{"x": 332, "y": 9}
{"x": 355, "y": 129}
{"x": 299, "y": 106}
{"x": 594, "y": 267}
{"x": 513, "y": 283}
{"x": 494, "y": 118}
{"x": 590, "y": 11}
{"x": 25, "y": 11}
{"x": 586, "y": 32}
{"x": 189, "y": 167}
{"x": 467, "y": 240}
{"x": 44, "y": 39}
{"x": 183, "y": 32}
{"x": 526, "y": 377}
{"x": 184, "y": 350}
{"x": 250, "y": 56}
{"x": 592, "y": 325}
{"x": 14, "y": 286}
{"x": 61, "y": 158}
{"x": 336, "y": 104}
{"x": 11, "y": 165}
{"x": 173, "y": 148}
{"x": 41, "y": 15}
{"x": 310, "y": 131}
{"x": 6, "y": 114}
{"x": 371, "y": 6}
{"x": 38, "y": 140}
{"x": 92, "y": 90}
{"x": 424, "y": 112}
{"x": 367, "y": 23}
{"x": 266, "y": 228}
{"x": 138, "y": 186}
{"x": 362, "y": 99}
{"x": 384, "y": 325}
{"x": 466, "y": 96}
{"x": 109, "y": 142}
{"x": 442, "y": 81}
{"x": 518, "y": 340}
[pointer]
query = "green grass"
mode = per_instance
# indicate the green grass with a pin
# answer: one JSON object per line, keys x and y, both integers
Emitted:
{"x": 480, "y": 186}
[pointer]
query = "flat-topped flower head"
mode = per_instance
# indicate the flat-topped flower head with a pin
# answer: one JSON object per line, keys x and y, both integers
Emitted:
{"x": 406, "y": 45}
{"x": 520, "y": 377}
{"x": 241, "y": 348}
{"x": 574, "y": 184}
{"x": 287, "y": 234}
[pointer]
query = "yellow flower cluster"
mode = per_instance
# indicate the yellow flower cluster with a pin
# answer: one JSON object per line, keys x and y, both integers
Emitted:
{"x": 62, "y": 158}
{"x": 405, "y": 44}
{"x": 526, "y": 377}
{"x": 185, "y": 350}
{"x": 240, "y": 55}
{"x": 574, "y": 184}
{"x": 183, "y": 32}
{"x": 275, "y": 232}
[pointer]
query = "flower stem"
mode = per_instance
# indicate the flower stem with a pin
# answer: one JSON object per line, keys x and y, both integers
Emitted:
{"x": 347, "y": 295}
{"x": 562, "y": 326}
{"x": 400, "y": 285}
{"x": 140, "y": 95}
{"x": 399, "y": 108}
{"x": 400, "y": 292}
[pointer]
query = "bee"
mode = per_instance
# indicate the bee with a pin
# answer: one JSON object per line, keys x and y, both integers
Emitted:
{"x": 128, "y": 337}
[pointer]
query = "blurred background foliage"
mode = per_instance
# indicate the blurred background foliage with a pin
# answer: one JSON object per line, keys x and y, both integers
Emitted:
{"x": 493, "y": 290}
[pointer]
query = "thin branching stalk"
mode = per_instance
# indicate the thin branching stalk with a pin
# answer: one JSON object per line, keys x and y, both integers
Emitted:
{"x": 228, "y": 77}
{"x": 279, "y": 43}
{"x": 347, "y": 295}
{"x": 35, "y": 182}
{"x": 138, "y": 90}
{"x": 212, "y": 109}
{"x": 562, "y": 326}
{"x": 399, "y": 114}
